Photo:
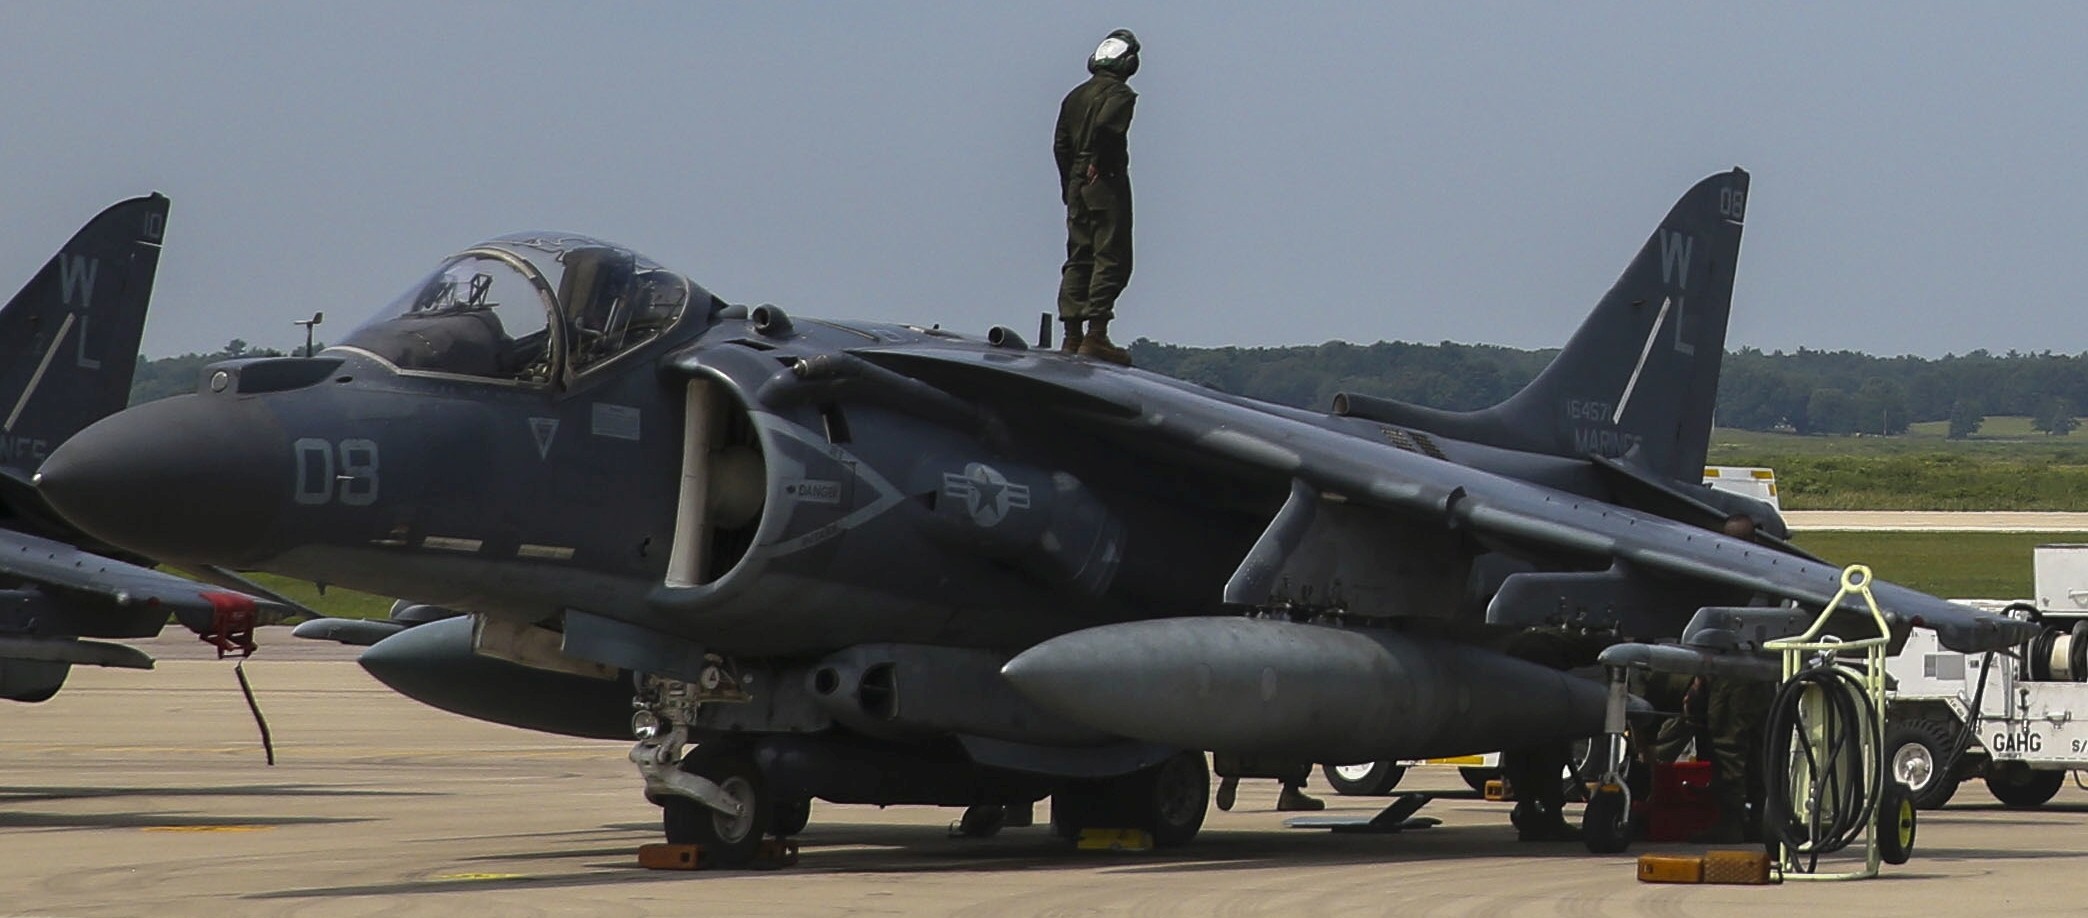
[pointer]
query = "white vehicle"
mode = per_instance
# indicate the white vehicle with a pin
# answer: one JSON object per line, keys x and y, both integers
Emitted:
{"x": 1748, "y": 481}
{"x": 2026, "y": 731}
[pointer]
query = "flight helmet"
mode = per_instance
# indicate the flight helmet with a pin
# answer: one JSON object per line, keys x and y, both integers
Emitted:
{"x": 1117, "y": 54}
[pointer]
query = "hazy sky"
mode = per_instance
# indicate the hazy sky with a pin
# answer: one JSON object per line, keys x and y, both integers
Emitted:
{"x": 1475, "y": 172}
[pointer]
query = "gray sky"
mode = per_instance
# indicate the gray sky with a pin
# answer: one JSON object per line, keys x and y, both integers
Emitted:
{"x": 1474, "y": 172}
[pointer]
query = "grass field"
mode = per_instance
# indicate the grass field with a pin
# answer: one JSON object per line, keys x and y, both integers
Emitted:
{"x": 336, "y": 602}
{"x": 2003, "y": 437}
{"x": 2006, "y": 467}
{"x": 1960, "y": 565}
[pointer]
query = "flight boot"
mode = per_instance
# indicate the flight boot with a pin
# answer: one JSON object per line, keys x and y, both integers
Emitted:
{"x": 1295, "y": 800}
{"x": 1228, "y": 790}
{"x": 1071, "y": 346}
{"x": 1096, "y": 344}
{"x": 1534, "y": 823}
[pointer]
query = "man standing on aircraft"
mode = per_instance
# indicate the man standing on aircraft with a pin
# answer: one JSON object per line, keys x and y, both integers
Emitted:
{"x": 1095, "y": 183}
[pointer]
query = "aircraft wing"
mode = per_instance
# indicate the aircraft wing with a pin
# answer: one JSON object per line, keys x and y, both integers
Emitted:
{"x": 1413, "y": 485}
{"x": 127, "y": 590}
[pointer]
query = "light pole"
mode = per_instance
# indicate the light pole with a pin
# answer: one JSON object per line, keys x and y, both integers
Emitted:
{"x": 316, "y": 318}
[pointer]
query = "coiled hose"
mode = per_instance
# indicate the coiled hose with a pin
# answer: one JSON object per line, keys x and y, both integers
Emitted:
{"x": 1840, "y": 800}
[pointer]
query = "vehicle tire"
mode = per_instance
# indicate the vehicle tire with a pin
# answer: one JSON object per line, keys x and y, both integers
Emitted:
{"x": 1476, "y": 777}
{"x": 1895, "y": 826}
{"x": 790, "y": 817}
{"x": 982, "y": 820}
{"x": 1606, "y": 822}
{"x": 1366, "y": 779}
{"x": 1172, "y": 798}
{"x": 2019, "y": 787}
{"x": 727, "y": 841}
{"x": 1915, "y": 753}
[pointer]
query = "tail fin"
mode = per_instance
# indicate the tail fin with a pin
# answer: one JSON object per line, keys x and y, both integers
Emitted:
{"x": 1640, "y": 377}
{"x": 69, "y": 340}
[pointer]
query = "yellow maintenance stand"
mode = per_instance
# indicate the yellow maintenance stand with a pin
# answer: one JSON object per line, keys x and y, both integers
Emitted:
{"x": 1824, "y": 752}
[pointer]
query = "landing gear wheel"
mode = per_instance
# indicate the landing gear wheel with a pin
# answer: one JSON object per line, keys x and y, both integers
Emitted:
{"x": 1914, "y": 755}
{"x": 790, "y": 817}
{"x": 1895, "y": 824}
{"x": 1476, "y": 778}
{"x": 727, "y": 841}
{"x": 1606, "y": 822}
{"x": 1177, "y": 794}
{"x": 2019, "y": 787}
{"x": 1366, "y": 779}
{"x": 1168, "y": 800}
{"x": 982, "y": 820}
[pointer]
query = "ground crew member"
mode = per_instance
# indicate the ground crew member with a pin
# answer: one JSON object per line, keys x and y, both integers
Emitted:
{"x": 1735, "y": 712}
{"x": 1095, "y": 183}
{"x": 1538, "y": 772}
{"x": 1293, "y": 798}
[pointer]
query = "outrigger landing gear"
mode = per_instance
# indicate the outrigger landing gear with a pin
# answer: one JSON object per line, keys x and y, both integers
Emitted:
{"x": 1606, "y": 822}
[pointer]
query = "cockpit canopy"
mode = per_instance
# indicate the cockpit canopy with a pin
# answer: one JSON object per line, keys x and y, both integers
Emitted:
{"x": 528, "y": 307}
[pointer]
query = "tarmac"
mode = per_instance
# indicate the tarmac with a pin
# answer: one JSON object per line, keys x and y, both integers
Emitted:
{"x": 145, "y": 793}
{"x": 1937, "y": 520}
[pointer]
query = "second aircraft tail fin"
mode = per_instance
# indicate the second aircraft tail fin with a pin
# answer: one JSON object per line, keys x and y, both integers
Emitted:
{"x": 69, "y": 339}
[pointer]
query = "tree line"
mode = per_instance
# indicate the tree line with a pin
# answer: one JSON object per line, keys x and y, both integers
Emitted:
{"x": 1809, "y": 391}
{"x": 1825, "y": 392}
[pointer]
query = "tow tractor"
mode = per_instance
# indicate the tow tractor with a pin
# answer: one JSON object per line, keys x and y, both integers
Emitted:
{"x": 2025, "y": 733}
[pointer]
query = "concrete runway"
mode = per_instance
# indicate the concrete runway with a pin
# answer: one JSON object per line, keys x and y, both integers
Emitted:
{"x": 144, "y": 793}
{"x": 1937, "y": 520}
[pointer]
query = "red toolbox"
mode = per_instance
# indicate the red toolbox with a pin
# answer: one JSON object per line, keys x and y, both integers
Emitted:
{"x": 1681, "y": 805}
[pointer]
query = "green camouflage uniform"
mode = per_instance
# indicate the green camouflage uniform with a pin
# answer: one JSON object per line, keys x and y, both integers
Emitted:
{"x": 1735, "y": 711}
{"x": 1093, "y": 124}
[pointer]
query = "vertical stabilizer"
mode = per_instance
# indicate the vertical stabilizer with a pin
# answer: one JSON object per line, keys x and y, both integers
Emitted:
{"x": 69, "y": 340}
{"x": 1639, "y": 379}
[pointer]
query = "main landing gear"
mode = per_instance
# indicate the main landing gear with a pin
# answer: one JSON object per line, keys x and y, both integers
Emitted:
{"x": 1167, "y": 801}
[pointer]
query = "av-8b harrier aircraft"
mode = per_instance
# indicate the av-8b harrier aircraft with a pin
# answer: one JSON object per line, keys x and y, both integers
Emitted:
{"x": 875, "y": 563}
{"x": 68, "y": 348}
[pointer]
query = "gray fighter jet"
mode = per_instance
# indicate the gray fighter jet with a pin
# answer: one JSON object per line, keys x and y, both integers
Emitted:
{"x": 68, "y": 347}
{"x": 886, "y": 564}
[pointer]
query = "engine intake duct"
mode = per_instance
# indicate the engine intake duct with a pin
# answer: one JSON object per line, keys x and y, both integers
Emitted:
{"x": 898, "y": 691}
{"x": 1304, "y": 692}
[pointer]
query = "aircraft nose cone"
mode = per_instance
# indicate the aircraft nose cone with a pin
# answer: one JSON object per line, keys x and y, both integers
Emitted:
{"x": 190, "y": 479}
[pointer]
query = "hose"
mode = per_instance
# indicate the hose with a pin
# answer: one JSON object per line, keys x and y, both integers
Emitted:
{"x": 1837, "y": 810}
{"x": 1970, "y": 724}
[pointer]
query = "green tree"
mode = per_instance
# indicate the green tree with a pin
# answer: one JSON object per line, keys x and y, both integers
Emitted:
{"x": 1965, "y": 419}
{"x": 2056, "y": 417}
{"x": 1830, "y": 411}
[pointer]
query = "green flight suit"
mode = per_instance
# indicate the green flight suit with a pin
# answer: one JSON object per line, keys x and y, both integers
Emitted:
{"x": 1735, "y": 713}
{"x": 1093, "y": 125}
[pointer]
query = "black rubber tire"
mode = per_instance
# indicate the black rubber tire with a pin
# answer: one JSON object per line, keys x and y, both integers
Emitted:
{"x": 1915, "y": 752}
{"x": 1167, "y": 800}
{"x": 1606, "y": 822}
{"x": 1173, "y": 797}
{"x": 1475, "y": 777}
{"x": 1377, "y": 781}
{"x": 726, "y": 841}
{"x": 2019, "y": 787}
{"x": 790, "y": 817}
{"x": 1895, "y": 823}
{"x": 982, "y": 820}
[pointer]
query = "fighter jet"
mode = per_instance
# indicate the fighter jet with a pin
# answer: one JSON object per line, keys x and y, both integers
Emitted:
{"x": 880, "y": 563}
{"x": 68, "y": 347}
